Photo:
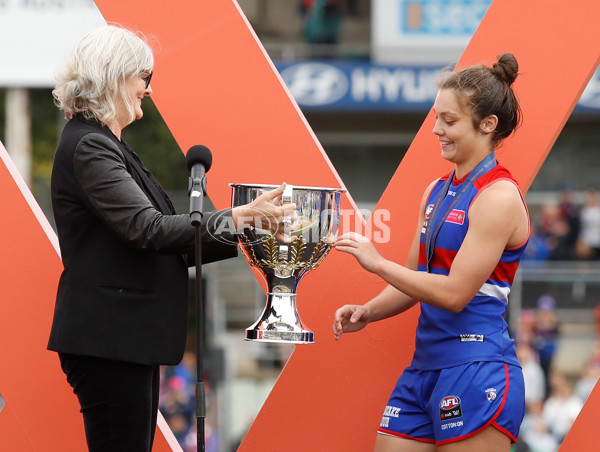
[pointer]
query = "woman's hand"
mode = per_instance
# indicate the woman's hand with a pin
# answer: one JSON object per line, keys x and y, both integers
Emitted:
{"x": 361, "y": 248}
{"x": 277, "y": 217}
{"x": 350, "y": 318}
{"x": 267, "y": 212}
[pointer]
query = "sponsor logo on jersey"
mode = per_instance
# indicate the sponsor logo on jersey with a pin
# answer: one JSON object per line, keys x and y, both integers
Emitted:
{"x": 450, "y": 408}
{"x": 472, "y": 337}
{"x": 456, "y": 216}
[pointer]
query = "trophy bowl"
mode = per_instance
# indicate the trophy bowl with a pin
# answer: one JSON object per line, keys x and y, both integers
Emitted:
{"x": 283, "y": 262}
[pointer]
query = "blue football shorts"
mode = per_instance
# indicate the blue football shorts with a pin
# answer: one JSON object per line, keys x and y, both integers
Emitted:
{"x": 448, "y": 405}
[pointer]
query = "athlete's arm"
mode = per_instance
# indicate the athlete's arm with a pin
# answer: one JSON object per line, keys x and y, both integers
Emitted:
{"x": 390, "y": 301}
{"x": 497, "y": 220}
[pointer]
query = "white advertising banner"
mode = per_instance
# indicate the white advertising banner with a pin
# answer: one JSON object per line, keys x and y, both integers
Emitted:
{"x": 37, "y": 36}
{"x": 424, "y": 31}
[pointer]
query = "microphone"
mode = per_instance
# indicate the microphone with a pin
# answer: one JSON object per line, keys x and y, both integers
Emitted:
{"x": 198, "y": 160}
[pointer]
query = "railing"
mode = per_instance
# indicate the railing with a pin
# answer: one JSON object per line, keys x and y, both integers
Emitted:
{"x": 575, "y": 285}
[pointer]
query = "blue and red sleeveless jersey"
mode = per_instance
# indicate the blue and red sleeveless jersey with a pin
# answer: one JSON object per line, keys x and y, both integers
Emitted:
{"x": 479, "y": 332}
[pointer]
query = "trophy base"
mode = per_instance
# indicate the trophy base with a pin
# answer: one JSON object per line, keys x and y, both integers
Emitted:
{"x": 280, "y": 322}
{"x": 287, "y": 337}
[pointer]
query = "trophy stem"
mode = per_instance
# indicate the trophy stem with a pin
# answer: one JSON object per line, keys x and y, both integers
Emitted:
{"x": 280, "y": 322}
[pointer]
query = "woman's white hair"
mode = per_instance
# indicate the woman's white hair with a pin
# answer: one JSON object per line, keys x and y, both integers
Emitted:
{"x": 96, "y": 74}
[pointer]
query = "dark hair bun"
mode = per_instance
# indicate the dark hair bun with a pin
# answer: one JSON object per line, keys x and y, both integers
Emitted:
{"x": 506, "y": 68}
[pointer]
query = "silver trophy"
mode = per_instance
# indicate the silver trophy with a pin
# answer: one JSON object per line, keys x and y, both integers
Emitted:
{"x": 309, "y": 235}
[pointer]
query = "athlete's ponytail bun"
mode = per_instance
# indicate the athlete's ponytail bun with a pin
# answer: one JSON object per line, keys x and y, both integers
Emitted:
{"x": 506, "y": 68}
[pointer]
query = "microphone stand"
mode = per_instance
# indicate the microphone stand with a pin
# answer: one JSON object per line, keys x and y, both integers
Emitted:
{"x": 197, "y": 189}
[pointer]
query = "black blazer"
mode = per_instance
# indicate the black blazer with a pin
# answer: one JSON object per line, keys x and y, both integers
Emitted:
{"x": 123, "y": 293}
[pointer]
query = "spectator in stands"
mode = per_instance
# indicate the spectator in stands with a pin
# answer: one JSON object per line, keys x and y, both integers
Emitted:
{"x": 569, "y": 212}
{"x": 589, "y": 375}
{"x": 525, "y": 331}
{"x": 535, "y": 436}
{"x": 546, "y": 334}
{"x": 562, "y": 407}
{"x": 323, "y": 19}
{"x": 540, "y": 246}
{"x": 554, "y": 230}
{"x": 535, "y": 383}
{"x": 177, "y": 398}
{"x": 588, "y": 243}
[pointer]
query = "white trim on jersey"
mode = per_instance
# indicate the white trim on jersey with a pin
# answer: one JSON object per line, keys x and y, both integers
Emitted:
{"x": 491, "y": 290}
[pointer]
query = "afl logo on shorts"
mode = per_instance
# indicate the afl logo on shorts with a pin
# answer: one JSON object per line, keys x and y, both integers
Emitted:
{"x": 450, "y": 408}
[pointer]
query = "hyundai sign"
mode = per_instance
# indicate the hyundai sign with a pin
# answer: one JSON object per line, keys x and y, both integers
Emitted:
{"x": 339, "y": 86}
{"x": 352, "y": 86}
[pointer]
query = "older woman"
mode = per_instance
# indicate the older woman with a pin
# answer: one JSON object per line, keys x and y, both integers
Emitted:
{"x": 121, "y": 308}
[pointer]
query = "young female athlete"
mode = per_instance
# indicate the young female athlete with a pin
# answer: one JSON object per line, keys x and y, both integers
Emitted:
{"x": 464, "y": 388}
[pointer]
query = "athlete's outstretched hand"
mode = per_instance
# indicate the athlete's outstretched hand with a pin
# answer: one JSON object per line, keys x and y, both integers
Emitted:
{"x": 350, "y": 318}
{"x": 361, "y": 248}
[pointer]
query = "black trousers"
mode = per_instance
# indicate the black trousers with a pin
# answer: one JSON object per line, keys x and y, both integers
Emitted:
{"x": 119, "y": 401}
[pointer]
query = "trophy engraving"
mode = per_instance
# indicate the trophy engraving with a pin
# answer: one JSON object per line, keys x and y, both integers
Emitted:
{"x": 310, "y": 235}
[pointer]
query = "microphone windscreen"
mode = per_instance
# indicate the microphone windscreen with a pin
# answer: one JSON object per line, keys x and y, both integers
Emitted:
{"x": 198, "y": 154}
